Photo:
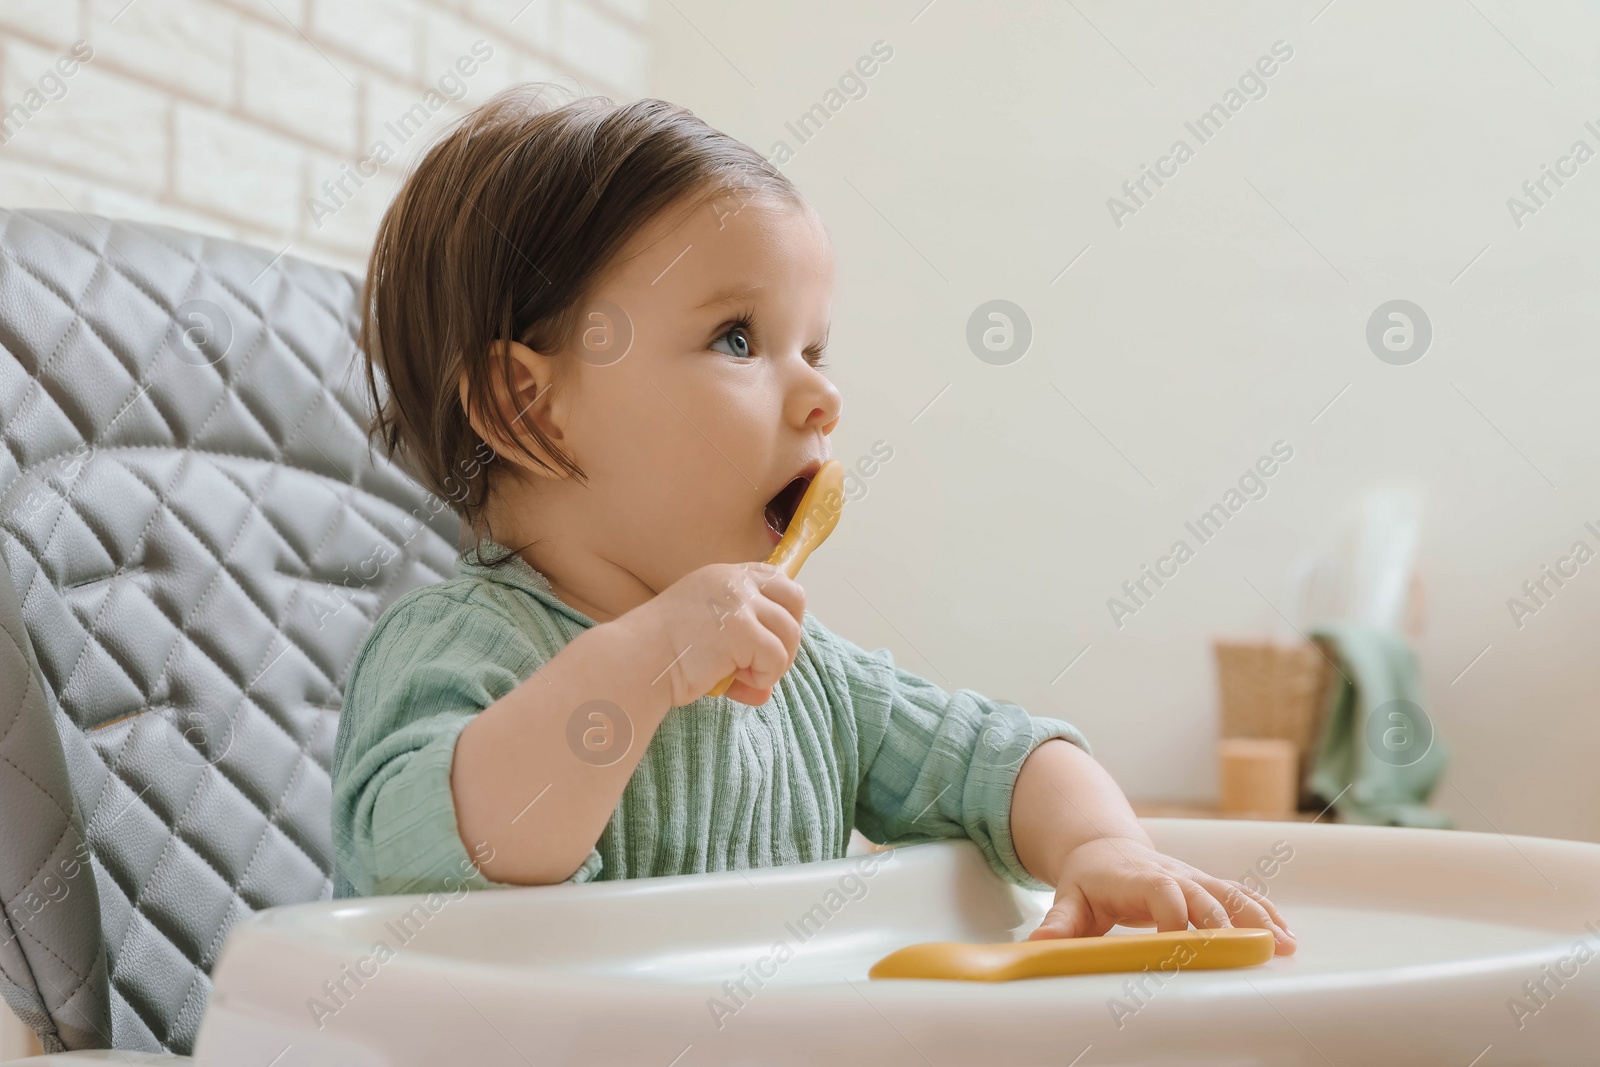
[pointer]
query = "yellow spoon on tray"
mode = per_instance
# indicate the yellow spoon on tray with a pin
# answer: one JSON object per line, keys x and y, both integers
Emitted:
{"x": 814, "y": 519}
{"x": 1172, "y": 951}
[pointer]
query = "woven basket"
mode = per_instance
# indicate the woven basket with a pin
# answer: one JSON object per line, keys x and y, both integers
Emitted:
{"x": 1274, "y": 689}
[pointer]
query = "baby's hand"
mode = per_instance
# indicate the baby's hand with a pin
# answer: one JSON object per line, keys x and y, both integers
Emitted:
{"x": 1109, "y": 881}
{"x": 742, "y": 619}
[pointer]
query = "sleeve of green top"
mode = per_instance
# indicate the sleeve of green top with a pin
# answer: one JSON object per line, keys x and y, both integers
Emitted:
{"x": 938, "y": 764}
{"x": 427, "y": 669}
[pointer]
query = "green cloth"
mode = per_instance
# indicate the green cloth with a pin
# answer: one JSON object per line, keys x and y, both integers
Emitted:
{"x": 1379, "y": 753}
{"x": 847, "y": 739}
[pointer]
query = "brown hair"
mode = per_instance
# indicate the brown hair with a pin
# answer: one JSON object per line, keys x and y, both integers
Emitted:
{"x": 499, "y": 233}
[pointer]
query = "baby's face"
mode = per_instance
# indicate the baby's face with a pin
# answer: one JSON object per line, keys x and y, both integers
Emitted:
{"x": 718, "y": 404}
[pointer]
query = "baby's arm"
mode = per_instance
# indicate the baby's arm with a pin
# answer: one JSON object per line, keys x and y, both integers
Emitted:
{"x": 1073, "y": 829}
{"x": 514, "y": 777}
{"x": 1028, "y": 792}
{"x": 934, "y": 763}
{"x": 518, "y": 784}
{"x": 1063, "y": 798}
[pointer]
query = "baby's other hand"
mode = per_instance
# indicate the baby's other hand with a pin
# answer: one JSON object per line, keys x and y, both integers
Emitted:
{"x": 1109, "y": 881}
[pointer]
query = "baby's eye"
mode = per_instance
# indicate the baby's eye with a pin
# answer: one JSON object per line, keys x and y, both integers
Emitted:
{"x": 738, "y": 338}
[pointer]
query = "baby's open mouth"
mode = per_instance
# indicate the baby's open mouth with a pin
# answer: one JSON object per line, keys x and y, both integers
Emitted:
{"x": 781, "y": 508}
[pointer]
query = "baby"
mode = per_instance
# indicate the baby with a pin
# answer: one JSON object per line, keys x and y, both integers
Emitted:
{"x": 600, "y": 333}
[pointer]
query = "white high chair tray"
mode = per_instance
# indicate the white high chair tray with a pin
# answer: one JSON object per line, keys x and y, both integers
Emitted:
{"x": 1414, "y": 945}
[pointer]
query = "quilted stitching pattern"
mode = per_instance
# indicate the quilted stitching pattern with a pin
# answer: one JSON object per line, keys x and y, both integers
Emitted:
{"x": 44, "y": 867}
{"x": 199, "y": 537}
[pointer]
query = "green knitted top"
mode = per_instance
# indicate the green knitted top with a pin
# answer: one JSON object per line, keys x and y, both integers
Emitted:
{"x": 847, "y": 739}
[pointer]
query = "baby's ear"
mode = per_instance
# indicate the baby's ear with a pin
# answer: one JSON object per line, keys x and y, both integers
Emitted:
{"x": 524, "y": 414}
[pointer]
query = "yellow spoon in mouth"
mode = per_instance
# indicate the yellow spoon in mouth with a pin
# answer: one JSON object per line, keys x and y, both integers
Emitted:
{"x": 814, "y": 519}
{"x": 1171, "y": 952}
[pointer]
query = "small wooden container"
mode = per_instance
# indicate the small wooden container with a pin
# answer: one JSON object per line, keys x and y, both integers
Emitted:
{"x": 1276, "y": 689}
{"x": 1258, "y": 776}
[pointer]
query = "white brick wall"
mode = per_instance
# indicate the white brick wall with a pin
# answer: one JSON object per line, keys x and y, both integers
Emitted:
{"x": 234, "y": 169}
{"x": 103, "y": 125}
{"x": 278, "y": 89}
{"x": 229, "y": 116}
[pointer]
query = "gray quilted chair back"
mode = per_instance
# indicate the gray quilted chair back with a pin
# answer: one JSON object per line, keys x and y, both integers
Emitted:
{"x": 196, "y": 537}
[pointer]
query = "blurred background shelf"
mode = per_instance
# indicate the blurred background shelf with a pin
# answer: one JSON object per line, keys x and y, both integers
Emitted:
{"x": 1179, "y": 809}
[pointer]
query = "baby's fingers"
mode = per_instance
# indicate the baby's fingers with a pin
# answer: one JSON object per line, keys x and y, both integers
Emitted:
{"x": 1252, "y": 909}
{"x": 1069, "y": 916}
{"x": 779, "y": 588}
{"x": 1166, "y": 900}
{"x": 744, "y": 693}
{"x": 1271, "y": 908}
{"x": 1206, "y": 896}
{"x": 1205, "y": 910}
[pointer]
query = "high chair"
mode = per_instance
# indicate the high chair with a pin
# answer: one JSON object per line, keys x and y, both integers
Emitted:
{"x": 196, "y": 538}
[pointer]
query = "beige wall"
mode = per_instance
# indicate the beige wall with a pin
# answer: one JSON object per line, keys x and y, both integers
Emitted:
{"x": 1225, "y": 314}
